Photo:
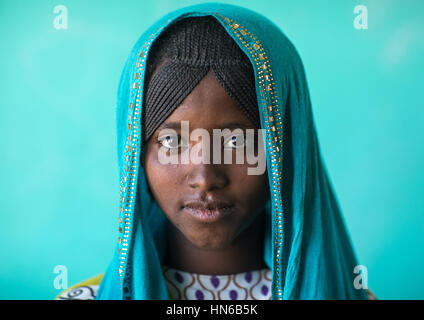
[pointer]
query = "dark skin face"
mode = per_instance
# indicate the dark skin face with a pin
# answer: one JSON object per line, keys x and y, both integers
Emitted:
{"x": 234, "y": 243}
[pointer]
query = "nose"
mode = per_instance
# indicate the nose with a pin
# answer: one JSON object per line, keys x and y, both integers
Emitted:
{"x": 206, "y": 177}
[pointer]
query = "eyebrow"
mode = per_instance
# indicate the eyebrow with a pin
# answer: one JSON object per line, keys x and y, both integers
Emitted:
{"x": 230, "y": 125}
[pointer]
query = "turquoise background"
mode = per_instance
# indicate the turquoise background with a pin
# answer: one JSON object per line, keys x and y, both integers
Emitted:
{"x": 59, "y": 182}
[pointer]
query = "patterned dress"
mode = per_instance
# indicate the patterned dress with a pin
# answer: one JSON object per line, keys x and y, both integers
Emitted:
{"x": 253, "y": 285}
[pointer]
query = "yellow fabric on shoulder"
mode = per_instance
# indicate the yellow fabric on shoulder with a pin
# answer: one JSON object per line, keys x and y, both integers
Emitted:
{"x": 94, "y": 281}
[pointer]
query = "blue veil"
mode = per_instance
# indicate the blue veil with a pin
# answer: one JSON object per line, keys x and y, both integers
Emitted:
{"x": 307, "y": 246}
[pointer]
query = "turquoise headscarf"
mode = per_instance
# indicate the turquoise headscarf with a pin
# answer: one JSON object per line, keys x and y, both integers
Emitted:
{"x": 307, "y": 246}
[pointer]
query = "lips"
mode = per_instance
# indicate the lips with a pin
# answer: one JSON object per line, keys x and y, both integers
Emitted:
{"x": 208, "y": 211}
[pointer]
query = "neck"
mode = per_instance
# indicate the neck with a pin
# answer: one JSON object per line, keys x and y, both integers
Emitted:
{"x": 244, "y": 254}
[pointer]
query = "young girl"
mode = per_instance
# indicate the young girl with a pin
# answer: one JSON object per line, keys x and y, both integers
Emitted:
{"x": 213, "y": 229}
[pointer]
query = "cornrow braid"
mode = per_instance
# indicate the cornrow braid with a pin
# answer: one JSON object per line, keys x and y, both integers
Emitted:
{"x": 179, "y": 59}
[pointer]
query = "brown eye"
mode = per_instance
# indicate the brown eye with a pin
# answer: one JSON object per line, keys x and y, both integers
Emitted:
{"x": 235, "y": 141}
{"x": 169, "y": 141}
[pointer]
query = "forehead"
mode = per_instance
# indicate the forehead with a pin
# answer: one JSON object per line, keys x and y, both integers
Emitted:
{"x": 209, "y": 105}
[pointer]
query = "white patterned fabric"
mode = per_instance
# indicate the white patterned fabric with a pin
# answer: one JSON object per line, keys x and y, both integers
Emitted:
{"x": 87, "y": 292}
{"x": 189, "y": 286}
{"x": 253, "y": 285}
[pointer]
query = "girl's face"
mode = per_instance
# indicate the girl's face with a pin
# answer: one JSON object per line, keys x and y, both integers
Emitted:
{"x": 210, "y": 204}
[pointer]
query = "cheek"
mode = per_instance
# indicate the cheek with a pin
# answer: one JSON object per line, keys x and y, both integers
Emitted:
{"x": 253, "y": 190}
{"x": 164, "y": 181}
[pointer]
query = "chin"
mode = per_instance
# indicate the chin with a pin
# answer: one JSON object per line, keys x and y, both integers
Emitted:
{"x": 206, "y": 242}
